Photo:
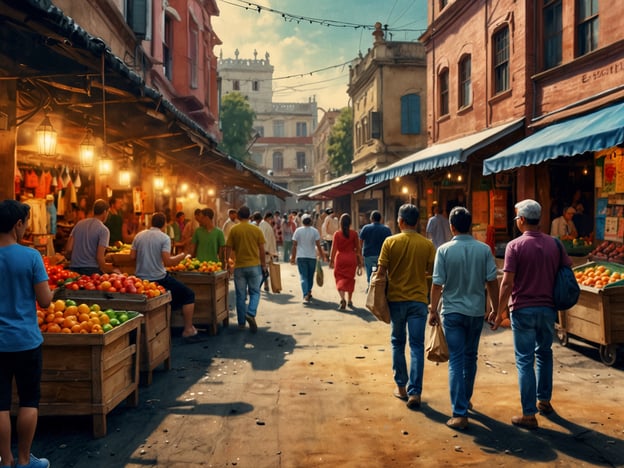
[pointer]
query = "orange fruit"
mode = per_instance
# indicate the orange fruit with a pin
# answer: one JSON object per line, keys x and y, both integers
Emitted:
{"x": 68, "y": 323}
{"x": 59, "y": 305}
{"x": 86, "y": 326}
{"x": 94, "y": 321}
{"x": 65, "y": 330}
{"x": 70, "y": 310}
{"x": 53, "y": 328}
{"x": 104, "y": 319}
{"x": 83, "y": 318}
{"x": 83, "y": 309}
{"x": 50, "y": 318}
{"x": 76, "y": 328}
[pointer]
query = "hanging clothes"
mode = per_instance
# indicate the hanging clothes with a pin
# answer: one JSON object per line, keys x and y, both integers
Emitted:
{"x": 45, "y": 180}
{"x": 32, "y": 179}
{"x": 60, "y": 210}
{"x": 38, "y": 216}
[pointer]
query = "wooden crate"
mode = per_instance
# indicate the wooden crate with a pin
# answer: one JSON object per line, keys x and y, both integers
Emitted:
{"x": 123, "y": 263}
{"x": 211, "y": 298}
{"x": 86, "y": 374}
{"x": 156, "y": 326}
{"x": 598, "y": 316}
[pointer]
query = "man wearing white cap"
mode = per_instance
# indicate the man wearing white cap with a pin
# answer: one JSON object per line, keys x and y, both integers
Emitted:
{"x": 530, "y": 267}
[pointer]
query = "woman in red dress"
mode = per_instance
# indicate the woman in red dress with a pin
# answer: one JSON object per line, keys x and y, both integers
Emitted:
{"x": 345, "y": 260}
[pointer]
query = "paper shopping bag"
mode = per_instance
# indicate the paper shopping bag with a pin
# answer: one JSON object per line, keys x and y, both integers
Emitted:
{"x": 275, "y": 277}
{"x": 437, "y": 349}
{"x": 376, "y": 300}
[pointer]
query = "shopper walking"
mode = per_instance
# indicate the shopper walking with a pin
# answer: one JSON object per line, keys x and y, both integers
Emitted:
{"x": 305, "y": 250}
{"x": 288, "y": 229}
{"x": 230, "y": 222}
{"x": 438, "y": 227}
{"x": 372, "y": 236}
{"x": 24, "y": 280}
{"x": 346, "y": 260}
{"x": 407, "y": 258}
{"x": 270, "y": 243}
{"x": 151, "y": 249}
{"x": 246, "y": 242}
{"x": 462, "y": 268}
{"x": 530, "y": 266}
{"x": 329, "y": 227}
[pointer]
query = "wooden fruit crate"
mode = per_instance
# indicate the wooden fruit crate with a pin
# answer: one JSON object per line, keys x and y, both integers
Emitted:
{"x": 156, "y": 326}
{"x": 86, "y": 374}
{"x": 211, "y": 298}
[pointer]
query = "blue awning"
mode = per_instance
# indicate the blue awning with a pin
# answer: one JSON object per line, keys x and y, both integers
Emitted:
{"x": 599, "y": 130}
{"x": 443, "y": 154}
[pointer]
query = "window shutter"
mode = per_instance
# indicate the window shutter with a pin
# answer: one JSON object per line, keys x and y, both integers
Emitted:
{"x": 375, "y": 119}
{"x": 137, "y": 17}
{"x": 410, "y": 114}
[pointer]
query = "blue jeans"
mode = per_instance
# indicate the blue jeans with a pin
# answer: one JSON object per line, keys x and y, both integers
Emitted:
{"x": 533, "y": 331}
{"x": 247, "y": 280}
{"x": 306, "y": 267}
{"x": 410, "y": 315}
{"x": 369, "y": 263}
{"x": 462, "y": 337}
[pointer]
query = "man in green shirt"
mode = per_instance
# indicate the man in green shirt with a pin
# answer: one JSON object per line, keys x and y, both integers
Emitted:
{"x": 208, "y": 241}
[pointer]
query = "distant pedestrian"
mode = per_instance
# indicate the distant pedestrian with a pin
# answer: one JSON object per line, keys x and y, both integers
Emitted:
{"x": 346, "y": 259}
{"x": 373, "y": 236}
{"x": 530, "y": 266}
{"x": 24, "y": 280}
{"x": 246, "y": 242}
{"x": 329, "y": 227}
{"x": 462, "y": 268}
{"x": 230, "y": 222}
{"x": 438, "y": 227}
{"x": 407, "y": 258}
{"x": 288, "y": 229}
{"x": 306, "y": 248}
{"x": 270, "y": 243}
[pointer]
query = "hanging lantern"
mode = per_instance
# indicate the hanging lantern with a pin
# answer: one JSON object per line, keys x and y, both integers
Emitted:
{"x": 46, "y": 138}
{"x": 106, "y": 166}
{"x": 87, "y": 150}
{"x": 124, "y": 175}
{"x": 159, "y": 181}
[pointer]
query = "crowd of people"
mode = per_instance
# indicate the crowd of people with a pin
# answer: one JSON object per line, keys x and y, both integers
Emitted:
{"x": 461, "y": 269}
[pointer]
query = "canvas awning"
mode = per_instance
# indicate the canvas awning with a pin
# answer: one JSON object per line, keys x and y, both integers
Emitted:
{"x": 343, "y": 185}
{"x": 595, "y": 131}
{"x": 443, "y": 154}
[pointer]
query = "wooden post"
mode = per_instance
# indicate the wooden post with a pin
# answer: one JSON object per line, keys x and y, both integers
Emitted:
{"x": 8, "y": 138}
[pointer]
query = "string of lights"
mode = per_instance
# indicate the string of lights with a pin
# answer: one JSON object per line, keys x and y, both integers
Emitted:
{"x": 291, "y": 17}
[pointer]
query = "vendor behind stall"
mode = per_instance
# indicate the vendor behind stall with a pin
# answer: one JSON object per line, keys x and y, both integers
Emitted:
{"x": 563, "y": 227}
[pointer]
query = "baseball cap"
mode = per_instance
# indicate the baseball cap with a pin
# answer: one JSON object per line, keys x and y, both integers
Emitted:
{"x": 329, "y": 211}
{"x": 528, "y": 209}
{"x": 306, "y": 219}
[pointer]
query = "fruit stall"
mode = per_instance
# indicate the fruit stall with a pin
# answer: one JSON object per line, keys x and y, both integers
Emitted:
{"x": 598, "y": 316}
{"x": 127, "y": 292}
{"x": 88, "y": 371}
{"x": 210, "y": 283}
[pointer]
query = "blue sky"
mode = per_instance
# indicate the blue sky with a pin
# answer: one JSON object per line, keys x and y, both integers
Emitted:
{"x": 301, "y": 48}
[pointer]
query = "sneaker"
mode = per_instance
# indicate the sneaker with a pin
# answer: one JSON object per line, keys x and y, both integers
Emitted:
{"x": 544, "y": 407}
{"x": 35, "y": 463}
{"x": 413, "y": 402}
{"x": 251, "y": 320}
{"x": 527, "y": 422}
{"x": 458, "y": 422}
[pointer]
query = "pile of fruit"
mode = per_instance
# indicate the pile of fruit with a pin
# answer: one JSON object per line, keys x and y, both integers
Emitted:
{"x": 65, "y": 316}
{"x": 597, "y": 276}
{"x": 119, "y": 247}
{"x": 194, "y": 264}
{"x": 609, "y": 251}
{"x": 58, "y": 275}
{"x": 115, "y": 282}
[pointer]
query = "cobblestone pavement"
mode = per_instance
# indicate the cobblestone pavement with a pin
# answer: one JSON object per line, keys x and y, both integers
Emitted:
{"x": 314, "y": 388}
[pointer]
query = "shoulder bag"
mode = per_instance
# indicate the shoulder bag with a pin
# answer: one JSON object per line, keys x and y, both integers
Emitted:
{"x": 566, "y": 291}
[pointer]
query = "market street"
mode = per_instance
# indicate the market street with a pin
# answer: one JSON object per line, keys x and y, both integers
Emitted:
{"x": 314, "y": 388}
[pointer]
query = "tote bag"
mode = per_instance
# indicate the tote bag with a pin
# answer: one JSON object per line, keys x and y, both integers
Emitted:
{"x": 566, "y": 291}
{"x": 376, "y": 300}
{"x": 320, "y": 277}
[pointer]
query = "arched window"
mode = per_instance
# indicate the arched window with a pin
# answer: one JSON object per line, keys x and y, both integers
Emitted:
{"x": 443, "y": 86}
{"x": 465, "y": 81}
{"x": 500, "y": 43}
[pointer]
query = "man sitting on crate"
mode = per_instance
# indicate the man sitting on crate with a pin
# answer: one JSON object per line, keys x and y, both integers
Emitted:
{"x": 152, "y": 251}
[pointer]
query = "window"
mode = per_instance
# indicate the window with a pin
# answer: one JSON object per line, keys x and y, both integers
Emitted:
{"x": 302, "y": 129}
{"x": 301, "y": 161}
{"x": 193, "y": 53}
{"x": 587, "y": 32}
{"x": 501, "y": 60}
{"x": 410, "y": 114}
{"x": 365, "y": 129}
{"x": 278, "y": 161}
{"x": 255, "y": 85}
{"x": 278, "y": 128}
{"x": 236, "y": 85}
{"x": 168, "y": 47}
{"x": 375, "y": 119}
{"x": 553, "y": 31}
{"x": 443, "y": 3}
{"x": 444, "y": 92}
{"x": 465, "y": 83}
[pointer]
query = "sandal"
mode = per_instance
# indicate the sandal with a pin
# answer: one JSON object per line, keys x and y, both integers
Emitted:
{"x": 343, "y": 304}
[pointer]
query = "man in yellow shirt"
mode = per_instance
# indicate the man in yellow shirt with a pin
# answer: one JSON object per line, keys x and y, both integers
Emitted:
{"x": 407, "y": 258}
{"x": 247, "y": 244}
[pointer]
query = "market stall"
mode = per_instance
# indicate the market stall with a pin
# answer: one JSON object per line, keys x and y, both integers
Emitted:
{"x": 598, "y": 317}
{"x": 211, "y": 298}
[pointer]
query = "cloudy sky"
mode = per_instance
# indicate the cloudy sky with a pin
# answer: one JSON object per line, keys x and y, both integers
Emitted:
{"x": 299, "y": 42}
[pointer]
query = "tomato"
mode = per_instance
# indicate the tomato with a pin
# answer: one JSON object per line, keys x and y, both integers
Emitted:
{"x": 74, "y": 286}
{"x": 89, "y": 286}
{"x": 116, "y": 284}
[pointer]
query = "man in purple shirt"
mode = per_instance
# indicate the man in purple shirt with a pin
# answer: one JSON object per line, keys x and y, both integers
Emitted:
{"x": 530, "y": 267}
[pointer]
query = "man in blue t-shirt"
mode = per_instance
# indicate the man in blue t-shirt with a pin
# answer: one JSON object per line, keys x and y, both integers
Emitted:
{"x": 373, "y": 236}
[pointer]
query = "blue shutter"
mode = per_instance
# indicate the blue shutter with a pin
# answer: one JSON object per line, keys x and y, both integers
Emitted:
{"x": 137, "y": 17}
{"x": 410, "y": 114}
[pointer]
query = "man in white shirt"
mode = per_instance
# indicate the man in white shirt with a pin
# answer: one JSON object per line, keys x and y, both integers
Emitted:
{"x": 230, "y": 222}
{"x": 330, "y": 226}
{"x": 270, "y": 246}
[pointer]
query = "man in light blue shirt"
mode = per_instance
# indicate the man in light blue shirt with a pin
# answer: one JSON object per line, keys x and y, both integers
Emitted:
{"x": 462, "y": 267}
